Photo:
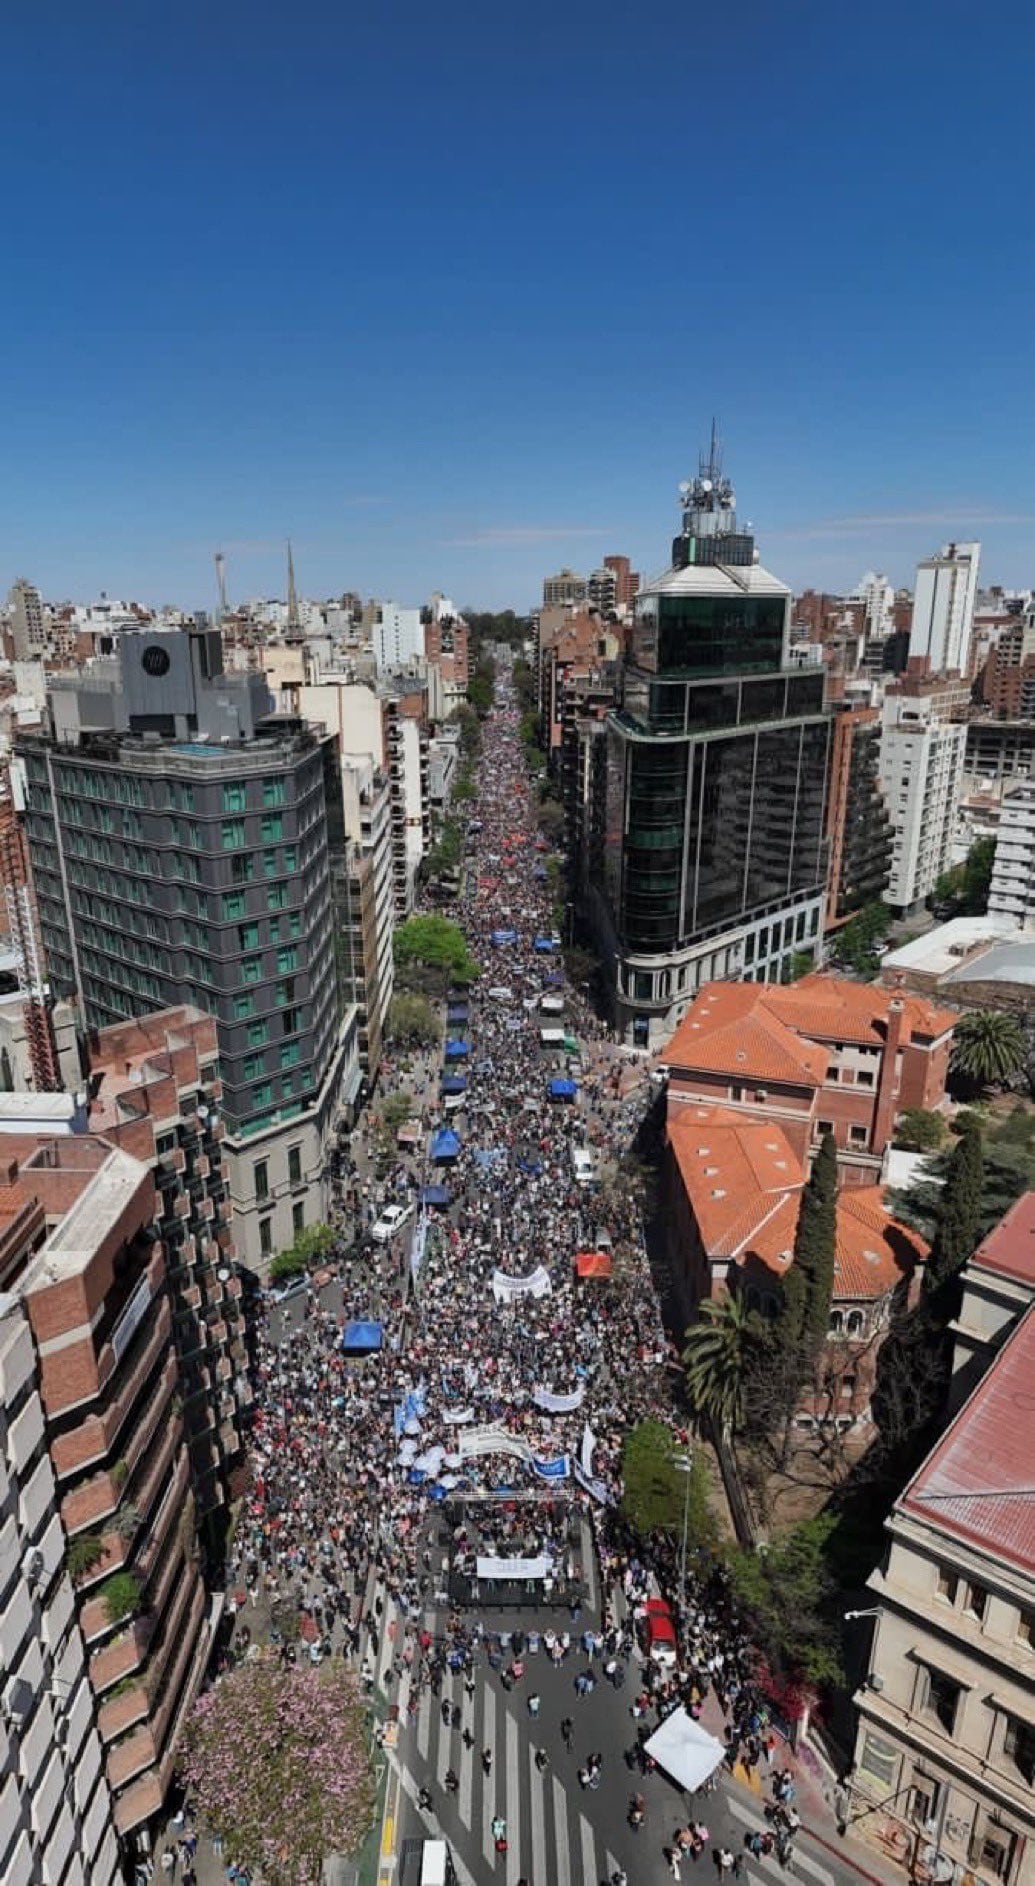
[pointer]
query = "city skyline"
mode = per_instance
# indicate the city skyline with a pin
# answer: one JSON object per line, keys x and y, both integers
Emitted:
{"x": 438, "y": 300}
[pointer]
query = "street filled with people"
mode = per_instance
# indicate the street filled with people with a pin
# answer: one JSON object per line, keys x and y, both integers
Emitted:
{"x": 442, "y": 1430}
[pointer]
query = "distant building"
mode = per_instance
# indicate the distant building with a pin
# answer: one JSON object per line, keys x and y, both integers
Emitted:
{"x": 627, "y": 582}
{"x": 944, "y": 1771}
{"x": 998, "y": 1288}
{"x": 1012, "y": 890}
{"x": 446, "y": 648}
{"x": 28, "y": 621}
{"x": 565, "y": 589}
{"x": 943, "y": 609}
{"x": 923, "y": 747}
{"x": 858, "y": 822}
{"x": 396, "y": 634}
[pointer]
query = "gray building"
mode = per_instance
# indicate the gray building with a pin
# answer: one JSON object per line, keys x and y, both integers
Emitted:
{"x": 704, "y": 853}
{"x": 181, "y": 838}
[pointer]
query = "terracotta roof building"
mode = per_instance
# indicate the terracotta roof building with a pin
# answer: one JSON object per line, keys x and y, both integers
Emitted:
{"x": 945, "y": 1753}
{"x": 823, "y": 1054}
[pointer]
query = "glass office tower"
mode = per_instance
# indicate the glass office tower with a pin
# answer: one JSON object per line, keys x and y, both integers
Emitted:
{"x": 708, "y": 846}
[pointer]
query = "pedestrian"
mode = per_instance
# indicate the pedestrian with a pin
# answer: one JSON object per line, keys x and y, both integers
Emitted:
{"x": 568, "y": 1732}
{"x": 452, "y": 1781}
{"x": 723, "y": 1861}
{"x": 541, "y": 1759}
{"x": 486, "y": 1761}
{"x": 533, "y": 1705}
{"x": 672, "y": 1856}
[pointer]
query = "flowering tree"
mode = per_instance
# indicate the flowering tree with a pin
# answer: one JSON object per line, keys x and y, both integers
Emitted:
{"x": 277, "y": 1762}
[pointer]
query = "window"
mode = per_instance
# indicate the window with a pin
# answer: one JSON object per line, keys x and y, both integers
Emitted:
{"x": 273, "y": 792}
{"x": 269, "y": 863}
{"x": 286, "y": 990}
{"x": 736, "y": 1093}
{"x": 165, "y": 1143}
{"x": 251, "y": 969}
{"x": 290, "y": 858}
{"x": 294, "y": 1165}
{"x": 836, "y": 1324}
{"x": 234, "y": 796}
{"x": 832, "y": 1073}
{"x": 266, "y": 1236}
{"x": 233, "y": 904}
{"x": 244, "y": 1005}
{"x": 857, "y": 1135}
{"x": 295, "y": 923}
{"x": 298, "y": 1218}
{"x": 976, "y": 1601}
{"x": 865, "y": 1077}
{"x": 824, "y": 1126}
{"x": 242, "y": 870}
{"x": 1019, "y": 1747}
{"x": 253, "y": 1066}
{"x": 942, "y": 1701}
{"x": 272, "y": 827}
{"x": 879, "y": 1759}
{"x": 261, "y": 1179}
{"x": 854, "y": 1325}
{"x": 287, "y": 958}
{"x": 291, "y": 1021}
{"x": 993, "y": 1848}
{"x": 232, "y": 834}
{"x": 258, "y": 1032}
{"x": 276, "y": 897}
{"x": 947, "y": 1585}
{"x": 248, "y": 936}
{"x": 291, "y": 1054}
{"x": 1026, "y": 1628}
{"x": 924, "y": 1799}
{"x": 262, "y": 1095}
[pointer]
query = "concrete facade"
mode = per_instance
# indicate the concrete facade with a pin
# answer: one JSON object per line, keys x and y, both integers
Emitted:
{"x": 921, "y": 766}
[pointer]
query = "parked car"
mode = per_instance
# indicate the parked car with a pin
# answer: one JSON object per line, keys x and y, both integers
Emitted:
{"x": 391, "y": 1221}
{"x": 290, "y": 1291}
{"x": 660, "y": 1630}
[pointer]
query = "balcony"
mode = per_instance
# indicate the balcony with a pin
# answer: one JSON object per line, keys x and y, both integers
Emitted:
{"x": 119, "y": 1658}
{"x": 123, "y": 1710}
{"x": 135, "y": 1752}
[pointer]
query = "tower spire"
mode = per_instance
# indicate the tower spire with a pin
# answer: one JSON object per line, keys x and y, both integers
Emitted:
{"x": 294, "y": 620}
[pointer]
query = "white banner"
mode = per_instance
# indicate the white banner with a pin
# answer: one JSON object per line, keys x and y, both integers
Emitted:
{"x": 559, "y": 1404}
{"x": 455, "y": 1417}
{"x": 589, "y": 1441}
{"x": 515, "y": 1568}
{"x": 505, "y": 1289}
{"x": 595, "y": 1488}
{"x": 492, "y": 1441}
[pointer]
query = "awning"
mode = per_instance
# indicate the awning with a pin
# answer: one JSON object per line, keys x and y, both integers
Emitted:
{"x": 435, "y": 1195}
{"x": 453, "y": 1084}
{"x": 409, "y": 1135}
{"x": 457, "y": 1050}
{"x": 592, "y": 1264}
{"x": 361, "y": 1336}
{"x": 563, "y": 1090}
{"x": 500, "y": 937}
{"x": 445, "y": 1144}
{"x": 685, "y": 1750}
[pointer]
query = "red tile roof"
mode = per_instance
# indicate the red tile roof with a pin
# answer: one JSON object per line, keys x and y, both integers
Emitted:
{"x": 767, "y": 1032}
{"x": 1009, "y": 1250}
{"x": 979, "y": 1482}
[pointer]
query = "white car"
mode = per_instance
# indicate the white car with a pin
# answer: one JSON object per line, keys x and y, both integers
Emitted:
{"x": 392, "y": 1219}
{"x": 584, "y": 1165}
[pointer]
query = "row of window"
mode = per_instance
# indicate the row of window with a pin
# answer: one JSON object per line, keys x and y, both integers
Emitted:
{"x": 266, "y": 1228}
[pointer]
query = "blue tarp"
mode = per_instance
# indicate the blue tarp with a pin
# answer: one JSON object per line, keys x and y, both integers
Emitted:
{"x": 554, "y": 979}
{"x": 361, "y": 1335}
{"x": 543, "y": 946}
{"x": 445, "y": 1145}
{"x": 532, "y": 1166}
{"x": 453, "y": 1083}
{"x": 435, "y": 1195}
{"x": 457, "y": 1050}
{"x": 563, "y": 1090}
{"x": 488, "y": 1156}
{"x": 499, "y": 937}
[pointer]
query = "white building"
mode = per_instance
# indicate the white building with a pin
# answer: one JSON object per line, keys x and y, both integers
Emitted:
{"x": 943, "y": 608}
{"x": 397, "y": 636}
{"x": 1012, "y": 892}
{"x": 55, "y": 1809}
{"x": 878, "y": 599}
{"x": 922, "y": 755}
{"x": 28, "y": 620}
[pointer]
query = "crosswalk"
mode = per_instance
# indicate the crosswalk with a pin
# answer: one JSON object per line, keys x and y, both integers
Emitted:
{"x": 803, "y": 1862}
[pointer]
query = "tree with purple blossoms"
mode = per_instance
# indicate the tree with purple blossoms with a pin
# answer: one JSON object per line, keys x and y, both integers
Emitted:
{"x": 276, "y": 1760}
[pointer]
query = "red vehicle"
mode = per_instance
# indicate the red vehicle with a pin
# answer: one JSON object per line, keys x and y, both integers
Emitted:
{"x": 660, "y": 1630}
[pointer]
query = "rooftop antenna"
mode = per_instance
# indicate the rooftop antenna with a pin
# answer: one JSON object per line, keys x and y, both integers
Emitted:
{"x": 713, "y": 468}
{"x": 294, "y": 620}
{"x": 224, "y": 606}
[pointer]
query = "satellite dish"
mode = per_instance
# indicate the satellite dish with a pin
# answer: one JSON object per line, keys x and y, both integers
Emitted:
{"x": 684, "y": 488}
{"x": 706, "y": 484}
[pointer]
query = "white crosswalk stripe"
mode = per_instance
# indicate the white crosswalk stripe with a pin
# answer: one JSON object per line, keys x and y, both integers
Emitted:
{"x": 424, "y": 1722}
{"x": 512, "y": 1802}
{"x": 489, "y": 1781}
{"x": 802, "y": 1862}
{"x": 537, "y": 1816}
{"x": 589, "y": 1851}
{"x": 560, "y": 1834}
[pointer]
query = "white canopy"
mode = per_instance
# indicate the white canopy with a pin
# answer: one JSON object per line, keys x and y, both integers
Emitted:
{"x": 685, "y": 1750}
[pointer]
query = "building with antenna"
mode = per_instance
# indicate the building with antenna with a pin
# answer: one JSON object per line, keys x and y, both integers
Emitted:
{"x": 704, "y": 854}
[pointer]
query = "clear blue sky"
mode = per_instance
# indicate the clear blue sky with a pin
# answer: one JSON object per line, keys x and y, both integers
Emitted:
{"x": 449, "y": 293}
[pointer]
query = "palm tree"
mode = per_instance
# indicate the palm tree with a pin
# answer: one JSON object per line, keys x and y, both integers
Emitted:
{"x": 716, "y": 1359}
{"x": 989, "y": 1046}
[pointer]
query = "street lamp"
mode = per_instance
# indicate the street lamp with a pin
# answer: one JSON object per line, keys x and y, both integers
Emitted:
{"x": 874, "y": 1612}
{"x": 683, "y": 1464}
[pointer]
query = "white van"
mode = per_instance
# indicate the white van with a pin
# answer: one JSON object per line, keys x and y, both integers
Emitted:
{"x": 435, "y": 1867}
{"x": 551, "y": 1037}
{"x": 500, "y": 993}
{"x": 552, "y": 1004}
{"x": 584, "y": 1165}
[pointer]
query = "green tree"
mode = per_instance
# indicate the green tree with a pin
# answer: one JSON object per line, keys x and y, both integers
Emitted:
{"x": 467, "y": 720}
{"x": 397, "y": 1109}
{"x": 435, "y": 943}
{"x": 798, "y": 964}
{"x": 655, "y": 1490}
{"x": 582, "y": 966}
{"x": 988, "y": 1046}
{"x": 718, "y": 1356}
{"x": 551, "y": 820}
{"x": 856, "y": 945}
{"x": 919, "y": 1130}
{"x": 959, "y": 1214}
{"x": 814, "y": 1248}
{"x": 413, "y": 1020}
{"x": 977, "y": 876}
{"x": 790, "y": 1597}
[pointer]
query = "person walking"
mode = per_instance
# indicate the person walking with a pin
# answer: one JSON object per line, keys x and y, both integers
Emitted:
{"x": 533, "y": 1705}
{"x": 568, "y": 1733}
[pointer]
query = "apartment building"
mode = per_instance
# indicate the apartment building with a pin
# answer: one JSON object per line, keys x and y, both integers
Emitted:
{"x": 821, "y": 1055}
{"x": 94, "y": 1289}
{"x": 366, "y": 907}
{"x": 447, "y": 650}
{"x": 1012, "y": 890}
{"x": 943, "y": 609}
{"x": 181, "y": 838}
{"x": 857, "y": 821}
{"x": 923, "y": 747}
{"x": 55, "y": 1806}
{"x": 944, "y": 1775}
{"x": 156, "y": 1092}
{"x": 565, "y": 590}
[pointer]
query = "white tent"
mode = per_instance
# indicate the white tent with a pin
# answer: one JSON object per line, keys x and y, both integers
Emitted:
{"x": 685, "y": 1750}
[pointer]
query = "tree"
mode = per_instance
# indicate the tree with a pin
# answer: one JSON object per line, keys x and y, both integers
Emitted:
{"x": 655, "y": 1491}
{"x": 791, "y": 1599}
{"x": 467, "y": 720}
{"x": 435, "y": 943}
{"x": 919, "y": 1130}
{"x": 581, "y": 965}
{"x": 397, "y": 1110}
{"x": 856, "y": 944}
{"x": 959, "y": 1214}
{"x": 963, "y": 891}
{"x": 413, "y": 1020}
{"x": 798, "y": 964}
{"x": 814, "y": 1245}
{"x": 551, "y": 820}
{"x": 988, "y": 1046}
{"x": 276, "y": 1760}
{"x": 718, "y": 1355}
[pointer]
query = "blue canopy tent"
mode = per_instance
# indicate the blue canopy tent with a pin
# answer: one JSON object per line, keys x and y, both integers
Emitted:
{"x": 457, "y": 1050}
{"x": 543, "y": 946}
{"x": 457, "y": 1012}
{"x": 501, "y": 937}
{"x": 446, "y": 1144}
{"x": 532, "y": 1166}
{"x": 453, "y": 1084}
{"x": 436, "y": 1195}
{"x": 554, "y": 979}
{"x": 361, "y": 1337}
{"x": 563, "y": 1089}
{"x": 488, "y": 1156}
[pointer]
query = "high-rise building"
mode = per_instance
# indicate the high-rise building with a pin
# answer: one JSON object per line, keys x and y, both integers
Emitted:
{"x": 706, "y": 854}
{"x": 627, "y": 581}
{"x": 367, "y": 903}
{"x": 396, "y": 634}
{"x": 943, "y": 609}
{"x": 923, "y": 746}
{"x": 181, "y": 839}
{"x": 602, "y": 591}
{"x": 858, "y": 822}
{"x": 28, "y": 621}
{"x": 56, "y": 1821}
{"x": 565, "y": 590}
{"x": 1012, "y": 890}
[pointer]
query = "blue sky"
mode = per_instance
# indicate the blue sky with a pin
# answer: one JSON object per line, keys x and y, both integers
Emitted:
{"x": 450, "y": 293}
